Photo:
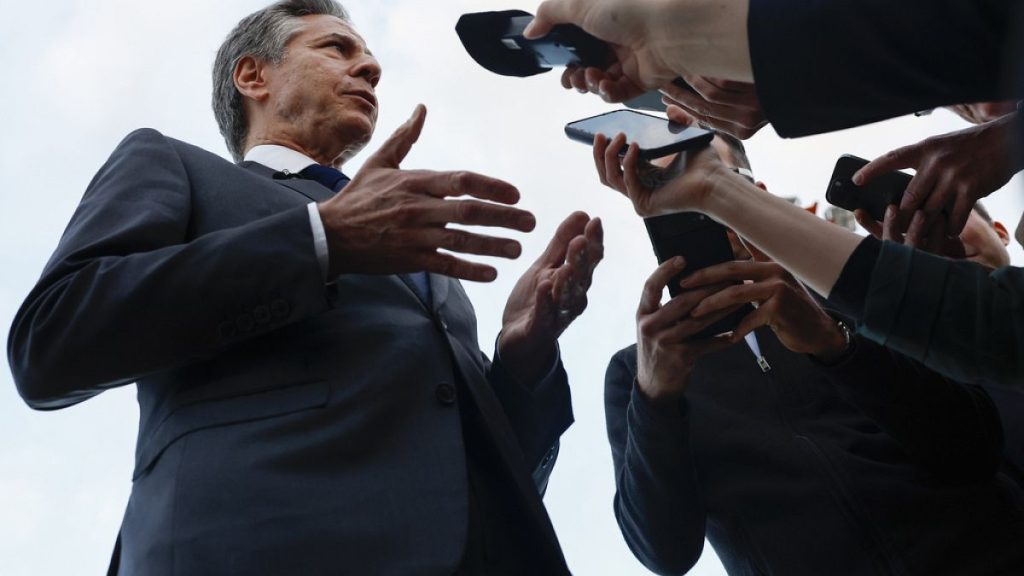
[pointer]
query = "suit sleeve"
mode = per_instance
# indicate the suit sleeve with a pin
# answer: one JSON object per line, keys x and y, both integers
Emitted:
{"x": 658, "y": 501}
{"x": 129, "y": 292}
{"x": 539, "y": 414}
{"x": 952, "y": 430}
{"x": 825, "y": 65}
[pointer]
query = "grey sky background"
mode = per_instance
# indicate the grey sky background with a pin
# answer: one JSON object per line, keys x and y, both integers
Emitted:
{"x": 80, "y": 75}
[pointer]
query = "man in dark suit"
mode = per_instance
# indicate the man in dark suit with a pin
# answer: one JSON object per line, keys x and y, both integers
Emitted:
{"x": 313, "y": 399}
{"x": 799, "y": 449}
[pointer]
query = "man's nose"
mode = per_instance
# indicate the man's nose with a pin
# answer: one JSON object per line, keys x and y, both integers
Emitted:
{"x": 369, "y": 69}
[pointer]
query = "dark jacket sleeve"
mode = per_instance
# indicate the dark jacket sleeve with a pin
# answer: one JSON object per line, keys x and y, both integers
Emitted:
{"x": 658, "y": 501}
{"x": 956, "y": 317}
{"x": 538, "y": 414}
{"x": 128, "y": 292}
{"x": 824, "y": 65}
{"x": 952, "y": 430}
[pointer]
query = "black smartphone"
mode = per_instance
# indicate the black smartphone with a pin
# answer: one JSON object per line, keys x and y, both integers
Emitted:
{"x": 656, "y": 136}
{"x": 875, "y": 196}
{"x": 703, "y": 242}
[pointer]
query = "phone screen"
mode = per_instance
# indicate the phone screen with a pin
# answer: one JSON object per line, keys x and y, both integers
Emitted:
{"x": 655, "y": 136}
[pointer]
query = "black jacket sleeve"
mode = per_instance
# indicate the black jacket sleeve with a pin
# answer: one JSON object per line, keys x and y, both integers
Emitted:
{"x": 658, "y": 502}
{"x": 824, "y": 65}
{"x": 130, "y": 292}
{"x": 952, "y": 430}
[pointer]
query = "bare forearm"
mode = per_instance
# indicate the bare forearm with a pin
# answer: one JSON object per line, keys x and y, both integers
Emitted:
{"x": 812, "y": 249}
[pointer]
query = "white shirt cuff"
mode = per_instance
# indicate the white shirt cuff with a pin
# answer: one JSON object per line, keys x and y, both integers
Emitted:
{"x": 319, "y": 239}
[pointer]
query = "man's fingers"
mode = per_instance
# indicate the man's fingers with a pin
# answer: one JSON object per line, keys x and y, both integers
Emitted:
{"x": 448, "y": 265}
{"x": 650, "y": 299}
{"x": 677, "y": 114}
{"x": 905, "y": 157}
{"x": 717, "y": 91}
{"x": 734, "y": 271}
{"x": 917, "y": 232}
{"x": 549, "y": 13}
{"x": 942, "y": 194}
{"x": 679, "y": 308}
{"x": 733, "y": 296}
{"x": 469, "y": 243}
{"x": 600, "y": 145}
{"x": 574, "y": 225}
{"x": 920, "y": 188}
{"x": 462, "y": 183}
{"x": 633, "y": 188}
{"x": 685, "y": 329}
{"x": 397, "y": 146}
{"x": 759, "y": 317}
{"x": 476, "y": 213}
{"x": 868, "y": 222}
{"x": 961, "y": 212}
{"x": 612, "y": 163}
{"x": 892, "y": 226}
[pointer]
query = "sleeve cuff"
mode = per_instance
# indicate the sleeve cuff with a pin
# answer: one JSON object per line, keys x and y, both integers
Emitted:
{"x": 552, "y": 375}
{"x": 850, "y": 292}
{"x": 319, "y": 239}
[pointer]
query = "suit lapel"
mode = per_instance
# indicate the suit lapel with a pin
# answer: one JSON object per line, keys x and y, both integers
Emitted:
{"x": 308, "y": 188}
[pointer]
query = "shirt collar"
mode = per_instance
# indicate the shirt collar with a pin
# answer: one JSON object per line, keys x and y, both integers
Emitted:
{"x": 280, "y": 158}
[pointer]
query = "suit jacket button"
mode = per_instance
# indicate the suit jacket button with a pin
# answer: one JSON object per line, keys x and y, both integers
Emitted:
{"x": 445, "y": 394}
{"x": 441, "y": 322}
{"x": 279, "y": 309}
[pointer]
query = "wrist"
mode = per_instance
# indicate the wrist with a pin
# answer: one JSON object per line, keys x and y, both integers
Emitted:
{"x": 837, "y": 345}
{"x": 659, "y": 398}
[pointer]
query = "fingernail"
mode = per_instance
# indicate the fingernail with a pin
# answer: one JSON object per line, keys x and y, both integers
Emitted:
{"x": 678, "y": 262}
{"x": 490, "y": 275}
{"x": 512, "y": 250}
{"x": 581, "y": 90}
{"x": 857, "y": 179}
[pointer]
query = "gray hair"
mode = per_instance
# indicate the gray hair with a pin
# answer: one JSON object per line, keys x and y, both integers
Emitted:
{"x": 263, "y": 35}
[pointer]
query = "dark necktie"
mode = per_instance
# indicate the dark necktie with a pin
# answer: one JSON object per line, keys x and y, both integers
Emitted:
{"x": 334, "y": 180}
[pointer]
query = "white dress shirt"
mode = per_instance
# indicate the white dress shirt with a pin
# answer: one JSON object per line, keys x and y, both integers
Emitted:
{"x": 285, "y": 159}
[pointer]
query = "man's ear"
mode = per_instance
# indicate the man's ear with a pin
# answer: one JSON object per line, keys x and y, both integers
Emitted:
{"x": 250, "y": 78}
{"x": 1002, "y": 232}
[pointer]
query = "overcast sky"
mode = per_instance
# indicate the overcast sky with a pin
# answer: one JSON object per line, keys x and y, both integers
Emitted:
{"x": 81, "y": 75}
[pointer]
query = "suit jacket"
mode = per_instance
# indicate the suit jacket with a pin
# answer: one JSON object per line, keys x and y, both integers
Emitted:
{"x": 784, "y": 472}
{"x": 286, "y": 426}
{"x": 825, "y": 65}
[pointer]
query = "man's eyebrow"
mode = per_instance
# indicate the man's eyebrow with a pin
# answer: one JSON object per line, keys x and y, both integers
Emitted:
{"x": 347, "y": 38}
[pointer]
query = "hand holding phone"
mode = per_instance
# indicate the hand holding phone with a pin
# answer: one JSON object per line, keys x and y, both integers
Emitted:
{"x": 874, "y": 197}
{"x": 702, "y": 242}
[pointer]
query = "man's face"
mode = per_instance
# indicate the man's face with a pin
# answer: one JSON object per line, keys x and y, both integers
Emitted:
{"x": 984, "y": 243}
{"x": 321, "y": 95}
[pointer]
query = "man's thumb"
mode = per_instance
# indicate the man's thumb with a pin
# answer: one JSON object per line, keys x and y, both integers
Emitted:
{"x": 396, "y": 148}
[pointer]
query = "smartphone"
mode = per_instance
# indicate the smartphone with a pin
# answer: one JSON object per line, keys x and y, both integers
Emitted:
{"x": 703, "y": 242}
{"x": 875, "y": 196}
{"x": 656, "y": 136}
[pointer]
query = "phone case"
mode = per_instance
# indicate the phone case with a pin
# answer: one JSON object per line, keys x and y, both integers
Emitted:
{"x": 874, "y": 197}
{"x": 702, "y": 242}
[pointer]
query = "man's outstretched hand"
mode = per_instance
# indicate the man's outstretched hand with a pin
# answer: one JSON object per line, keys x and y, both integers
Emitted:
{"x": 550, "y": 295}
{"x": 391, "y": 221}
